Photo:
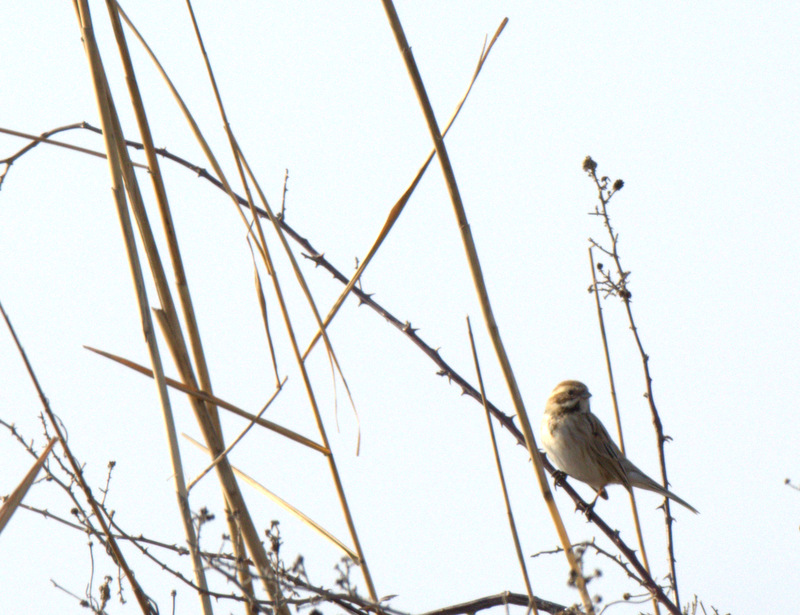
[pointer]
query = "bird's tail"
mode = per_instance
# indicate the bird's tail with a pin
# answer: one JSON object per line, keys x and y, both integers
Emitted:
{"x": 654, "y": 486}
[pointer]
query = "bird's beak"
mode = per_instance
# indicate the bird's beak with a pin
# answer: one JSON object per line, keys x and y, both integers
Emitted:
{"x": 586, "y": 395}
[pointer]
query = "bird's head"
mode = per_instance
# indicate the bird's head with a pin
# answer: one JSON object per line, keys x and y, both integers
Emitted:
{"x": 569, "y": 396}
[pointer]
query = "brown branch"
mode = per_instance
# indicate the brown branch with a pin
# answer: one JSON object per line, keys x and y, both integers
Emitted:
{"x": 44, "y": 138}
{"x": 503, "y": 599}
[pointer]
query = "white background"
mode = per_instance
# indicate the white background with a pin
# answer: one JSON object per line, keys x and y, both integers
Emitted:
{"x": 694, "y": 105}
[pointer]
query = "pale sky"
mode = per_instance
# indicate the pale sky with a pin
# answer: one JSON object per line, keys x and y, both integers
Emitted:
{"x": 694, "y": 105}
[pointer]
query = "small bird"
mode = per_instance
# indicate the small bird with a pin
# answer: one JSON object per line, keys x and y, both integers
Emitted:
{"x": 579, "y": 445}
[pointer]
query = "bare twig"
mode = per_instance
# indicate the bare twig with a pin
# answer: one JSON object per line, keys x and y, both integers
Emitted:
{"x": 619, "y": 288}
{"x": 591, "y": 543}
{"x": 145, "y": 603}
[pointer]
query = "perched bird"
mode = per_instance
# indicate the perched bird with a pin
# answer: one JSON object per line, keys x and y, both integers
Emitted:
{"x": 579, "y": 445}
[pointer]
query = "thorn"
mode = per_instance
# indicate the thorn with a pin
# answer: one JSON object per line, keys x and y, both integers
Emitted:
{"x": 363, "y": 297}
{"x": 407, "y": 328}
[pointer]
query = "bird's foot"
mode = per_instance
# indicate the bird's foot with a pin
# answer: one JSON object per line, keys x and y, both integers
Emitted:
{"x": 587, "y": 509}
{"x": 558, "y": 478}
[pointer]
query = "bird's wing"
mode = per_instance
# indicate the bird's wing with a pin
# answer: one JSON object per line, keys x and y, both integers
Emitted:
{"x": 611, "y": 458}
{"x": 620, "y": 469}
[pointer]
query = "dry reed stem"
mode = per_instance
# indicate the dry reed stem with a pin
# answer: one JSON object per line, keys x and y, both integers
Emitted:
{"x": 15, "y": 498}
{"x": 483, "y": 296}
{"x": 241, "y": 165}
{"x": 236, "y": 536}
{"x": 634, "y": 508}
{"x": 238, "y": 438}
{"x": 184, "y": 295}
{"x": 263, "y": 249}
{"x": 234, "y": 503}
{"x": 117, "y": 151}
{"x": 306, "y": 380}
{"x": 226, "y": 125}
{"x": 262, "y": 305}
{"x": 304, "y": 287}
{"x": 499, "y": 465}
{"x": 280, "y": 501}
{"x": 261, "y": 246}
{"x": 156, "y": 268}
{"x": 212, "y": 160}
{"x": 168, "y": 319}
{"x": 163, "y": 207}
{"x": 231, "y": 491}
{"x": 217, "y": 401}
{"x": 398, "y": 207}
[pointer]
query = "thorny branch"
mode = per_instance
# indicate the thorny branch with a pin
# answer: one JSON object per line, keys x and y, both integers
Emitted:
{"x": 467, "y": 389}
{"x": 444, "y": 369}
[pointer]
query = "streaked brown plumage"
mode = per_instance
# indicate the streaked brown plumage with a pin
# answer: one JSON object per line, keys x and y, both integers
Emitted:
{"x": 579, "y": 445}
